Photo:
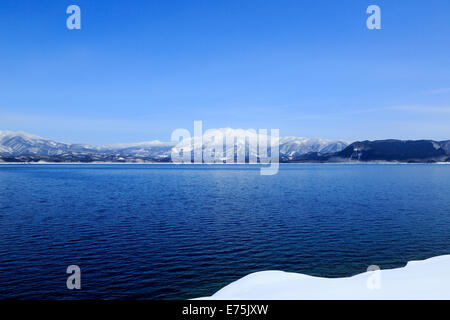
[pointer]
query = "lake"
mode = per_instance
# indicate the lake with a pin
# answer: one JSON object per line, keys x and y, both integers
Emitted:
{"x": 185, "y": 231}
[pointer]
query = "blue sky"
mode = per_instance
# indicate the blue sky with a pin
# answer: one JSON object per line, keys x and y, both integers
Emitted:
{"x": 137, "y": 70}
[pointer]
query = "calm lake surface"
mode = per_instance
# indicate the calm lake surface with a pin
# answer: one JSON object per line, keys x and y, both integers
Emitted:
{"x": 176, "y": 232}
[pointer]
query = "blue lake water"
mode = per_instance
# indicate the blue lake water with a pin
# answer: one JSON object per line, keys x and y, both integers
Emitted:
{"x": 176, "y": 232}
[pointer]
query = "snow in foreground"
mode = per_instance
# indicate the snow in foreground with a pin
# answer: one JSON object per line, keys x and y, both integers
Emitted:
{"x": 427, "y": 279}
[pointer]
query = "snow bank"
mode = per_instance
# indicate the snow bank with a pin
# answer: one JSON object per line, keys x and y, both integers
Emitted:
{"x": 427, "y": 279}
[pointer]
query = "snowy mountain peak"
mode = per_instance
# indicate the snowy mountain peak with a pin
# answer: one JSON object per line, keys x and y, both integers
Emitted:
{"x": 4, "y": 134}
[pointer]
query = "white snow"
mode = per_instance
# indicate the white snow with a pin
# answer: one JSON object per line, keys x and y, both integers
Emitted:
{"x": 24, "y": 135}
{"x": 212, "y": 139}
{"x": 427, "y": 279}
{"x": 293, "y": 146}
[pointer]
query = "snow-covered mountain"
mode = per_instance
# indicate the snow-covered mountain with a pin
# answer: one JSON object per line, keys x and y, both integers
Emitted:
{"x": 151, "y": 149}
{"x": 246, "y": 143}
{"x": 223, "y": 144}
{"x": 13, "y": 144}
{"x": 446, "y": 146}
{"x": 21, "y": 143}
{"x": 293, "y": 146}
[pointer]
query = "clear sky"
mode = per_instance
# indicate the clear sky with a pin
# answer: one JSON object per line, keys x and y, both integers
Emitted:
{"x": 137, "y": 70}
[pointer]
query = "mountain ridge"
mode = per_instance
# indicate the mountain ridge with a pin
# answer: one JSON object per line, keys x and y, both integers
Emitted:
{"x": 24, "y": 147}
{"x": 390, "y": 150}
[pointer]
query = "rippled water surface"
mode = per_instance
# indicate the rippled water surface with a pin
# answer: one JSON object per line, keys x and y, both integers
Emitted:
{"x": 168, "y": 232}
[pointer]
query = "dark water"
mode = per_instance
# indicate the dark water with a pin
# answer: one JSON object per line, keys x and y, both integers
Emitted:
{"x": 165, "y": 232}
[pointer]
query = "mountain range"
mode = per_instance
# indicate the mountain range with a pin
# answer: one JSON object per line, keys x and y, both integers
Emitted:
{"x": 24, "y": 147}
{"x": 410, "y": 151}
